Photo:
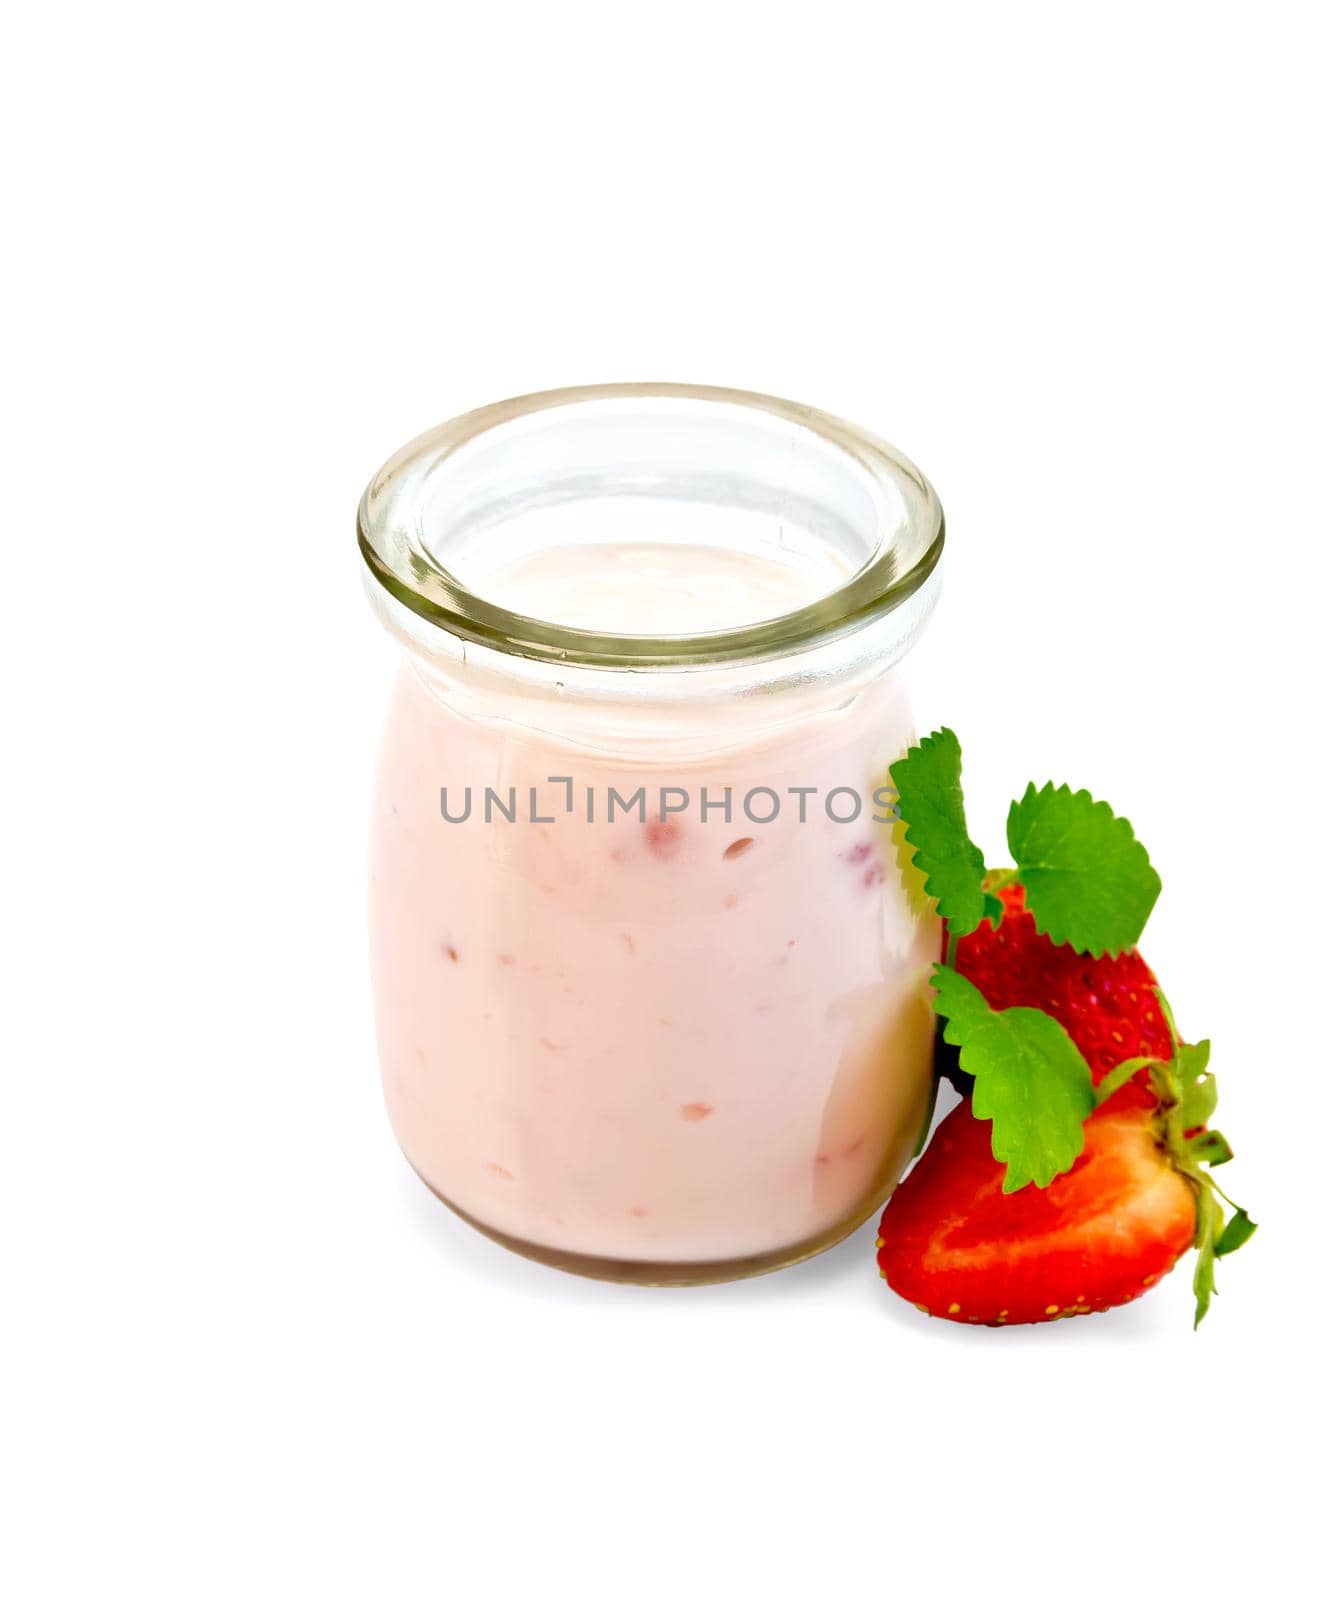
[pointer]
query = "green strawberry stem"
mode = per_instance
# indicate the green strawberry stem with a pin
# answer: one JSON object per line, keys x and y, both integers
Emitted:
{"x": 1186, "y": 1097}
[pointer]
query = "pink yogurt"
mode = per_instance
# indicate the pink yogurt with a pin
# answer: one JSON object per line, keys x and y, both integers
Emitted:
{"x": 679, "y": 1040}
{"x": 683, "y": 1036}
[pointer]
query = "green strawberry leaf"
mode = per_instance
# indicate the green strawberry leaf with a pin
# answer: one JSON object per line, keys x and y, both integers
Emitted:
{"x": 1087, "y": 880}
{"x": 1193, "y": 1088}
{"x": 1204, "y": 1283}
{"x": 1236, "y": 1232}
{"x": 930, "y": 802}
{"x": 1210, "y": 1148}
{"x": 1032, "y": 1085}
{"x": 1199, "y": 1102}
{"x": 1207, "y": 1228}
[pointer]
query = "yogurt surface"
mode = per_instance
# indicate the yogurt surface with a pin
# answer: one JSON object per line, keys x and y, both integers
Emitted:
{"x": 654, "y": 588}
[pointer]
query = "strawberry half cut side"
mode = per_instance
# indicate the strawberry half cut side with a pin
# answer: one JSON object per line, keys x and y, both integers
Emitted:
{"x": 955, "y": 1245}
{"x": 1099, "y": 1235}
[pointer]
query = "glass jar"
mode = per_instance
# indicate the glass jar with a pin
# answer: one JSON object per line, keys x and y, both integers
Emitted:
{"x": 649, "y": 968}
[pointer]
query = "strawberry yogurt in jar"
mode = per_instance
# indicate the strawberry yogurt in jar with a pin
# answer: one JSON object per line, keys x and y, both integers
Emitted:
{"x": 650, "y": 972}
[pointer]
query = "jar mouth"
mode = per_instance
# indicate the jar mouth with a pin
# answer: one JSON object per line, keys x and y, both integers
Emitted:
{"x": 722, "y": 465}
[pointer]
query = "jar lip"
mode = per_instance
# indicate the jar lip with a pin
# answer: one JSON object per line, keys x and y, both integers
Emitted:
{"x": 389, "y": 536}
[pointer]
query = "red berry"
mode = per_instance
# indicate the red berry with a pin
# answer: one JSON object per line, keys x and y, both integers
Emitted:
{"x": 1098, "y": 1236}
{"x": 1106, "y": 1003}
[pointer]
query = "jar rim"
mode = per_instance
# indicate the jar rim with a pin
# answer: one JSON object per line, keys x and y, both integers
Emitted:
{"x": 390, "y": 540}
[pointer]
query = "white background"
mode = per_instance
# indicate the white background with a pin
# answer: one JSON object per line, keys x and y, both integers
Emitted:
{"x": 1072, "y": 259}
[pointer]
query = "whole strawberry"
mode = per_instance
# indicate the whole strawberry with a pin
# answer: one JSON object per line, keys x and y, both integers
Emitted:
{"x": 1106, "y": 1003}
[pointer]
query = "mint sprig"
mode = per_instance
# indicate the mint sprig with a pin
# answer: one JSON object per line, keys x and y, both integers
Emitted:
{"x": 1087, "y": 880}
{"x": 1032, "y": 1084}
{"x": 929, "y": 780}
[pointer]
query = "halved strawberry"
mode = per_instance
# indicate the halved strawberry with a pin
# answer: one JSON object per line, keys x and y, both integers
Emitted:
{"x": 1098, "y": 1236}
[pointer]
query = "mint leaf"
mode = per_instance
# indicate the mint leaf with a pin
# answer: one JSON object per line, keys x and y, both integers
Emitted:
{"x": 1032, "y": 1085}
{"x": 1087, "y": 880}
{"x": 930, "y": 803}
